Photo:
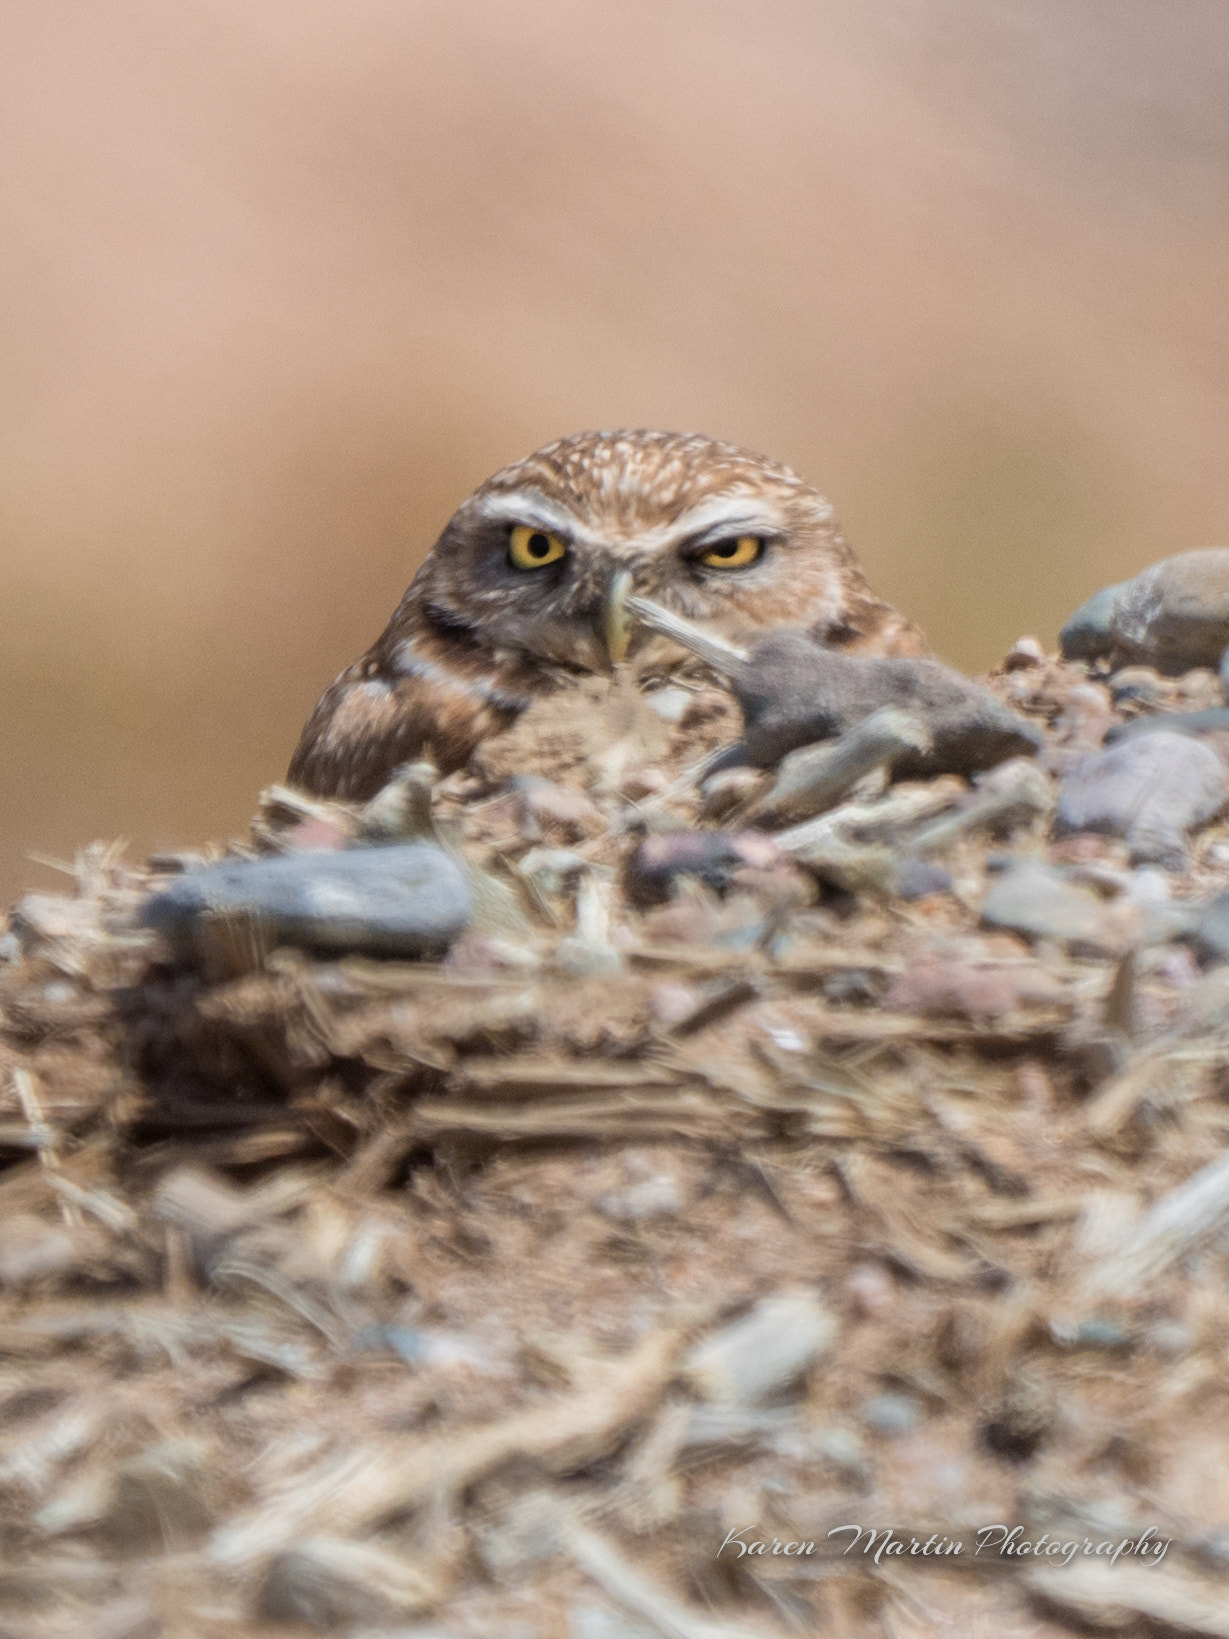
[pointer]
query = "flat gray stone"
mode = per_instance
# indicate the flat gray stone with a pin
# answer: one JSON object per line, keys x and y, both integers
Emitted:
{"x": 1151, "y": 789}
{"x": 794, "y": 693}
{"x": 409, "y": 900}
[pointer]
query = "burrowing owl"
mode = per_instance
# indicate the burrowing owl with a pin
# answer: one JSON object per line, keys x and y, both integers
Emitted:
{"x": 526, "y": 586}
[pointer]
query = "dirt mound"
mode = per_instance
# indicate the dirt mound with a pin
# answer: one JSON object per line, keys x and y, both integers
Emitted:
{"x": 798, "y": 1188}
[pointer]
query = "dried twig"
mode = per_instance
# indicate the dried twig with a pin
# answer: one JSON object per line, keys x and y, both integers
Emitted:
{"x": 356, "y": 1490}
{"x": 1178, "y": 1223}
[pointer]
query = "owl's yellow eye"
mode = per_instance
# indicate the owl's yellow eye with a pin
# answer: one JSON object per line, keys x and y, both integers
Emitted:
{"x": 733, "y": 554}
{"x": 531, "y": 548}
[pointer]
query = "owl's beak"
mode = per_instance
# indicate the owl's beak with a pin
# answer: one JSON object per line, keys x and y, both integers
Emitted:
{"x": 616, "y": 620}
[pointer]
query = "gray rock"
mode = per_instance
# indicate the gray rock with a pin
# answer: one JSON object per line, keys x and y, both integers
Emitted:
{"x": 1174, "y": 615}
{"x": 793, "y": 693}
{"x": 1087, "y": 635}
{"x": 1212, "y": 720}
{"x": 1151, "y": 789}
{"x": 1211, "y": 934}
{"x": 410, "y": 900}
{"x": 1041, "y": 903}
{"x": 919, "y": 877}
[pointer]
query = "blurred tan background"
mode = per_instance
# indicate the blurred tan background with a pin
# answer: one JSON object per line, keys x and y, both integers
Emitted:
{"x": 281, "y": 280}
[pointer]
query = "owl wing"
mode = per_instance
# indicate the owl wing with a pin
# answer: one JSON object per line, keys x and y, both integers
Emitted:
{"x": 376, "y": 716}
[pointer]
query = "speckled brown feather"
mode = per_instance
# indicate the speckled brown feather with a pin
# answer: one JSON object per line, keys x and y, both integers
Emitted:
{"x": 473, "y": 642}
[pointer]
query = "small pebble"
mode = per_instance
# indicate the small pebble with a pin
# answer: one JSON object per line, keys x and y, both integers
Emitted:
{"x": 681, "y": 923}
{"x": 850, "y": 987}
{"x": 1087, "y": 715}
{"x": 655, "y": 1197}
{"x": 842, "y": 1448}
{"x": 1210, "y": 937}
{"x": 1035, "y": 1089}
{"x": 714, "y": 857}
{"x": 316, "y": 836}
{"x": 552, "y": 871}
{"x": 938, "y": 986}
{"x": 1210, "y": 1549}
{"x": 871, "y": 1290}
{"x": 669, "y": 1002}
{"x": 1170, "y": 1338}
{"x": 786, "y": 1038}
{"x": 1102, "y": 1334}
{"x": 1024, "y": 653}
{"x": 1037, "y": 901}
{"x": 670, "y": 703}
{"x": 891, "y": 1415}
{"x": 919, "y": 878}
{"x": 557, "y": 812}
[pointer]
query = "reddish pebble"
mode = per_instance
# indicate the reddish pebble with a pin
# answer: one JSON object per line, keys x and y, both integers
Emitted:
{"x": 560, "y": 812}
{"x": 1024, "y": 652}
{"x": 317, "y": 836}
{"x": 871, "y": 1290}
{"x": 669, "y": 1003}
{"x": 1035, "y": 1088}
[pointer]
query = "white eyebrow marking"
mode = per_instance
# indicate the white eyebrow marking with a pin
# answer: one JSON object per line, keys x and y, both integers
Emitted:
{"x": 718, "y": 516}
{"x": 714, "y": 519}
{"x": 529, "y": 506}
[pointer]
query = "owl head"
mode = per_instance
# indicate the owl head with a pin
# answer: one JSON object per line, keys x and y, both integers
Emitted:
{"x": 539, "y": 560}
{"x": 530, "y": 584}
